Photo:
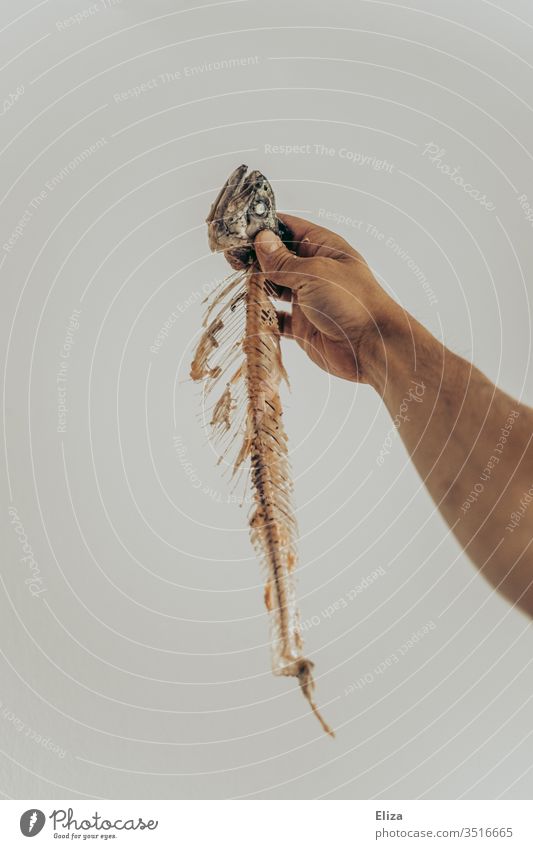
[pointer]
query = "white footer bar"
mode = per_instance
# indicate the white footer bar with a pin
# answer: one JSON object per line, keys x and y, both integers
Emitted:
{"x": 272, "y": 824}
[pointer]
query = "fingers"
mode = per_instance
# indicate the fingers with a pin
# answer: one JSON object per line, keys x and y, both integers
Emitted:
{"x": 282, "y": 267}
{"x": 299, "y": 227}
{"x": 312, "y": 240}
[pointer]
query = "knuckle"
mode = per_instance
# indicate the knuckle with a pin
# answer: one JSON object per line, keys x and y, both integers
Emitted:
{"x": 282, "y": 262}
{"x": 282, "y": 257}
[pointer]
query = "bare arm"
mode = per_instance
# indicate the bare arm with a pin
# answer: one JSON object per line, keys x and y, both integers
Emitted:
{"x": 471, "y": 443}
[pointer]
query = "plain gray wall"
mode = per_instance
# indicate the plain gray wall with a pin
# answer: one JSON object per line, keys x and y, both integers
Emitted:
{"x": 141, "y": 667}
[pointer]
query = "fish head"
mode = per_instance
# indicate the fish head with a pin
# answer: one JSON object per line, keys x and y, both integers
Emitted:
{"x": 244, "y": 206}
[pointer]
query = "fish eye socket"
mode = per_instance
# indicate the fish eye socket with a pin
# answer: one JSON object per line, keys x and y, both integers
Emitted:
{"x": 260, "y": 208}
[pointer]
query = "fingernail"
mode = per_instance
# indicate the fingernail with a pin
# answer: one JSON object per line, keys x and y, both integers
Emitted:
{"x": 268, "y": 241}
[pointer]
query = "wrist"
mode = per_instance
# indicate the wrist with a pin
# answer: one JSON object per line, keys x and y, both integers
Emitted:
{"x": 389, "y": 348}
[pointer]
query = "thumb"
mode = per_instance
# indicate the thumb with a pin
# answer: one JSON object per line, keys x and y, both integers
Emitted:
{"x": 282, "y": 266}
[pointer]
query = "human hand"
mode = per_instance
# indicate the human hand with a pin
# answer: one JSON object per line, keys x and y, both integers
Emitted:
{"x": 338, "y": 307}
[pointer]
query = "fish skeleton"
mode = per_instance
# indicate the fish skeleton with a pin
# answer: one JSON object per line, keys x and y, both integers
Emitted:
{"x": 240, "y": 349}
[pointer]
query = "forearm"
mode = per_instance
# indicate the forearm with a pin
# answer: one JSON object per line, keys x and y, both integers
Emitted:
{"x": 472, "y": 445}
